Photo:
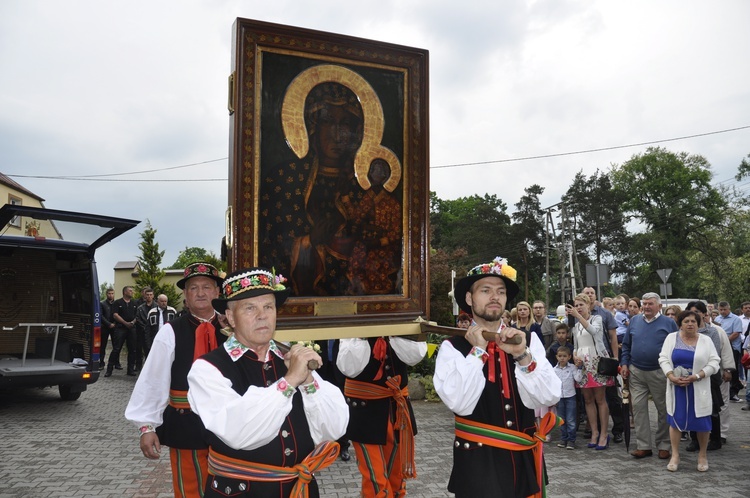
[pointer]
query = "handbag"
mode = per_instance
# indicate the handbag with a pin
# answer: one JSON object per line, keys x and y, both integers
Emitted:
{"x": 607, "y": 366}
{"x": 745, "y": 361}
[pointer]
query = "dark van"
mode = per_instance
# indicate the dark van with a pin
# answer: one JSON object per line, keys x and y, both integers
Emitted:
{"x": 49, "y": 297}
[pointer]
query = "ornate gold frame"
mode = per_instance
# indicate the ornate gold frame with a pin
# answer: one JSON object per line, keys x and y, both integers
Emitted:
{"x": 271, "y": 59}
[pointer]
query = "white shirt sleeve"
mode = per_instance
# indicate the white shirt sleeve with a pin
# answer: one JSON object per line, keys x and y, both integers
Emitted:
{"x": 410, "y": 352}
{"x": 542, "y": 387}
{"x": 253, "y": 419}
{"x": 151, "y": 393}
{"x": 458, "y": 379}
{"x": 326, "y": 410}
{"x": 727, "y": 357}
{"x": 354, "y": 354}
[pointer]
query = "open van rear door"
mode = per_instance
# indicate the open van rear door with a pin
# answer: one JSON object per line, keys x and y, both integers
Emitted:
{"x": 49, "y": 297}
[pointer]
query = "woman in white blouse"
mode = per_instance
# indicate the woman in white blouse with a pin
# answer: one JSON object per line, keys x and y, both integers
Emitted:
{"x": 588, "y": 341}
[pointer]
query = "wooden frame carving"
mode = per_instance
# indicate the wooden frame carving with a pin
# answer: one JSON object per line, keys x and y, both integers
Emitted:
{"x": 329, "y": 172}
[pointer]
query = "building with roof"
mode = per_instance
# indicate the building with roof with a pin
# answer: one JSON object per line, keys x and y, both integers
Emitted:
{"x": 13, "y": 193}
{"x": 127, "y": 271}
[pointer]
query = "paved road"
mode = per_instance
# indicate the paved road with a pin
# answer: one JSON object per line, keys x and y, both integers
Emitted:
{"x": 52, "y": 448}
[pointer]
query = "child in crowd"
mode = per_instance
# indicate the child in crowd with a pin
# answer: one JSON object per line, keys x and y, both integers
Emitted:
{"x": 463, "y": 321}
{"x": 507, "y": 319}
{"x": 609, "y": 304}
{"x": 566, "y": 408}
{"x": 621, "y": 316}
{"x": 561, "y": 339}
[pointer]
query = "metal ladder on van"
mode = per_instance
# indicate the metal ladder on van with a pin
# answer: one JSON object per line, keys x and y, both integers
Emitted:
{"x": 48, "y": 327}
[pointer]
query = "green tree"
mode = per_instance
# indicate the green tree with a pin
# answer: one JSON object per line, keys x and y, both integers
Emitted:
{"x": 598, "y": 220}
{"x": 726, "y": 277}
{"x": 744, "y": 168}
{"x": 192, "y": 255}
{"x": 528, "y": 236}
{"x": 103, "y": 289}
{"x": 481, "y": 225}
{"x": 671, "y": 195}
{"x": 150, "y": 273}
{"x": 441, "y": 263}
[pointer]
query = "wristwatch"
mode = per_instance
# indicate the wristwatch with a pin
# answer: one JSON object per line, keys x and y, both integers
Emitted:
{"x": 522, "y": 356}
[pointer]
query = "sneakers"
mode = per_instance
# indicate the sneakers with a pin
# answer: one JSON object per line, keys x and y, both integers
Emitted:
{"x": 562, "y": 444}
{"x": 571, "y": 445}
{"x": 735, "y": 399}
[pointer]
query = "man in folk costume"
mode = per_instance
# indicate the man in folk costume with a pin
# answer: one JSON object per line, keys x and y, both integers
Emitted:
{"x": 273, "y": 420}
{"x": 159, "y": 406}
{"x": 493, "y": 388}
{"x": 382, "y": 424}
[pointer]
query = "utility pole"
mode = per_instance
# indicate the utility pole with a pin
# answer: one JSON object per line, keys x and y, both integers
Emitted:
{"x": 572, "y": 272}
{"x": 546, "y": 263}
{"x": 549, "y": 223}
{"x": 563, "y": 248}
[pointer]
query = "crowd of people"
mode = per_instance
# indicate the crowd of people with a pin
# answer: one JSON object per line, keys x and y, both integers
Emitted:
{"x": 244, "y": 415}
{"x": 132, "y": 323}
{"x": 690, "y": 363}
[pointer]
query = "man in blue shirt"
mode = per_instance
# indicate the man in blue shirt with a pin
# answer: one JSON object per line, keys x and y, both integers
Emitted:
{"x": 640, "y": 361}
{"x": 745, "y": 318}
{"x": 732, "y": 325}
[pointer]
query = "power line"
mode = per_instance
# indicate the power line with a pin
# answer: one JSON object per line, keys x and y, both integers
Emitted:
{"x": 587, "y": 151}
{"x": 93, "y": 177}
{"x": 108, "y": 176}
{"x": 170, "y": 180}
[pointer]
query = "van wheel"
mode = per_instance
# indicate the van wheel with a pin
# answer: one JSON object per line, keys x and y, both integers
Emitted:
{"x": 67, "y": 395}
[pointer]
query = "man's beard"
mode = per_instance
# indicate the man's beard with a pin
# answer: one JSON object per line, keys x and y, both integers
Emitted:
{"x": 490, "y": 316}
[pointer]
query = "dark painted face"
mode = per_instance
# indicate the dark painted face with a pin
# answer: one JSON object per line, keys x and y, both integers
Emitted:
{"x": 379, "y": 172}
{"x": 338, "y": 135}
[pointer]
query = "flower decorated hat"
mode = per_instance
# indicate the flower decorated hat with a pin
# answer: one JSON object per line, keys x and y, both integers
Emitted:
{"x": 498, "y": 267}
{"x": 251, "y": 282}
{"x": 199, "y": 270}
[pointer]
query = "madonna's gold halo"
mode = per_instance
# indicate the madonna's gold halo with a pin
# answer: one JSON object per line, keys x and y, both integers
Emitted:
{"x": 295, "y": 131}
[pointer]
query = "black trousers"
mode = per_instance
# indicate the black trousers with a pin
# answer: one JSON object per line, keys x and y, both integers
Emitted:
{"x": 735, "y": 386}
{"x": 149, "y": 340}
{"x": 131, "y": 340}
{"x": 118, "y": 335}
{"x": 717, "y": 401}
{"x": 614, "y": 402}
{"x": 141, "y": 349}
{"x": 106, "y": 332}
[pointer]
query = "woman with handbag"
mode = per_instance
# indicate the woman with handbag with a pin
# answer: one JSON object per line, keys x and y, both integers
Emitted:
{"x": 591, "y": 356}
{"x": 688, "y": 359}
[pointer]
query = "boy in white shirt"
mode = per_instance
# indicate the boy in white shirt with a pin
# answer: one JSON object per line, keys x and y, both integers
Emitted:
{"x": 569, "y": 374}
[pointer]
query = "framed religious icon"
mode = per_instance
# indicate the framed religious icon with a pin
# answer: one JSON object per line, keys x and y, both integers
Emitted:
{"x": 328, "y": 172}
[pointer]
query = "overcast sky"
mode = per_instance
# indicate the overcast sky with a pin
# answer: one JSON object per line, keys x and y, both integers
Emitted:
{"x": 102, "y": 87}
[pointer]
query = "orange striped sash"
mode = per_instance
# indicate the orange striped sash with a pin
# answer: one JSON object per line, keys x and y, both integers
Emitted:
{"x": 321, "y": 457}
{"x": 365, "y": 390}
{"x": 506, "y": 439}
{"x": 178, "y": 399}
